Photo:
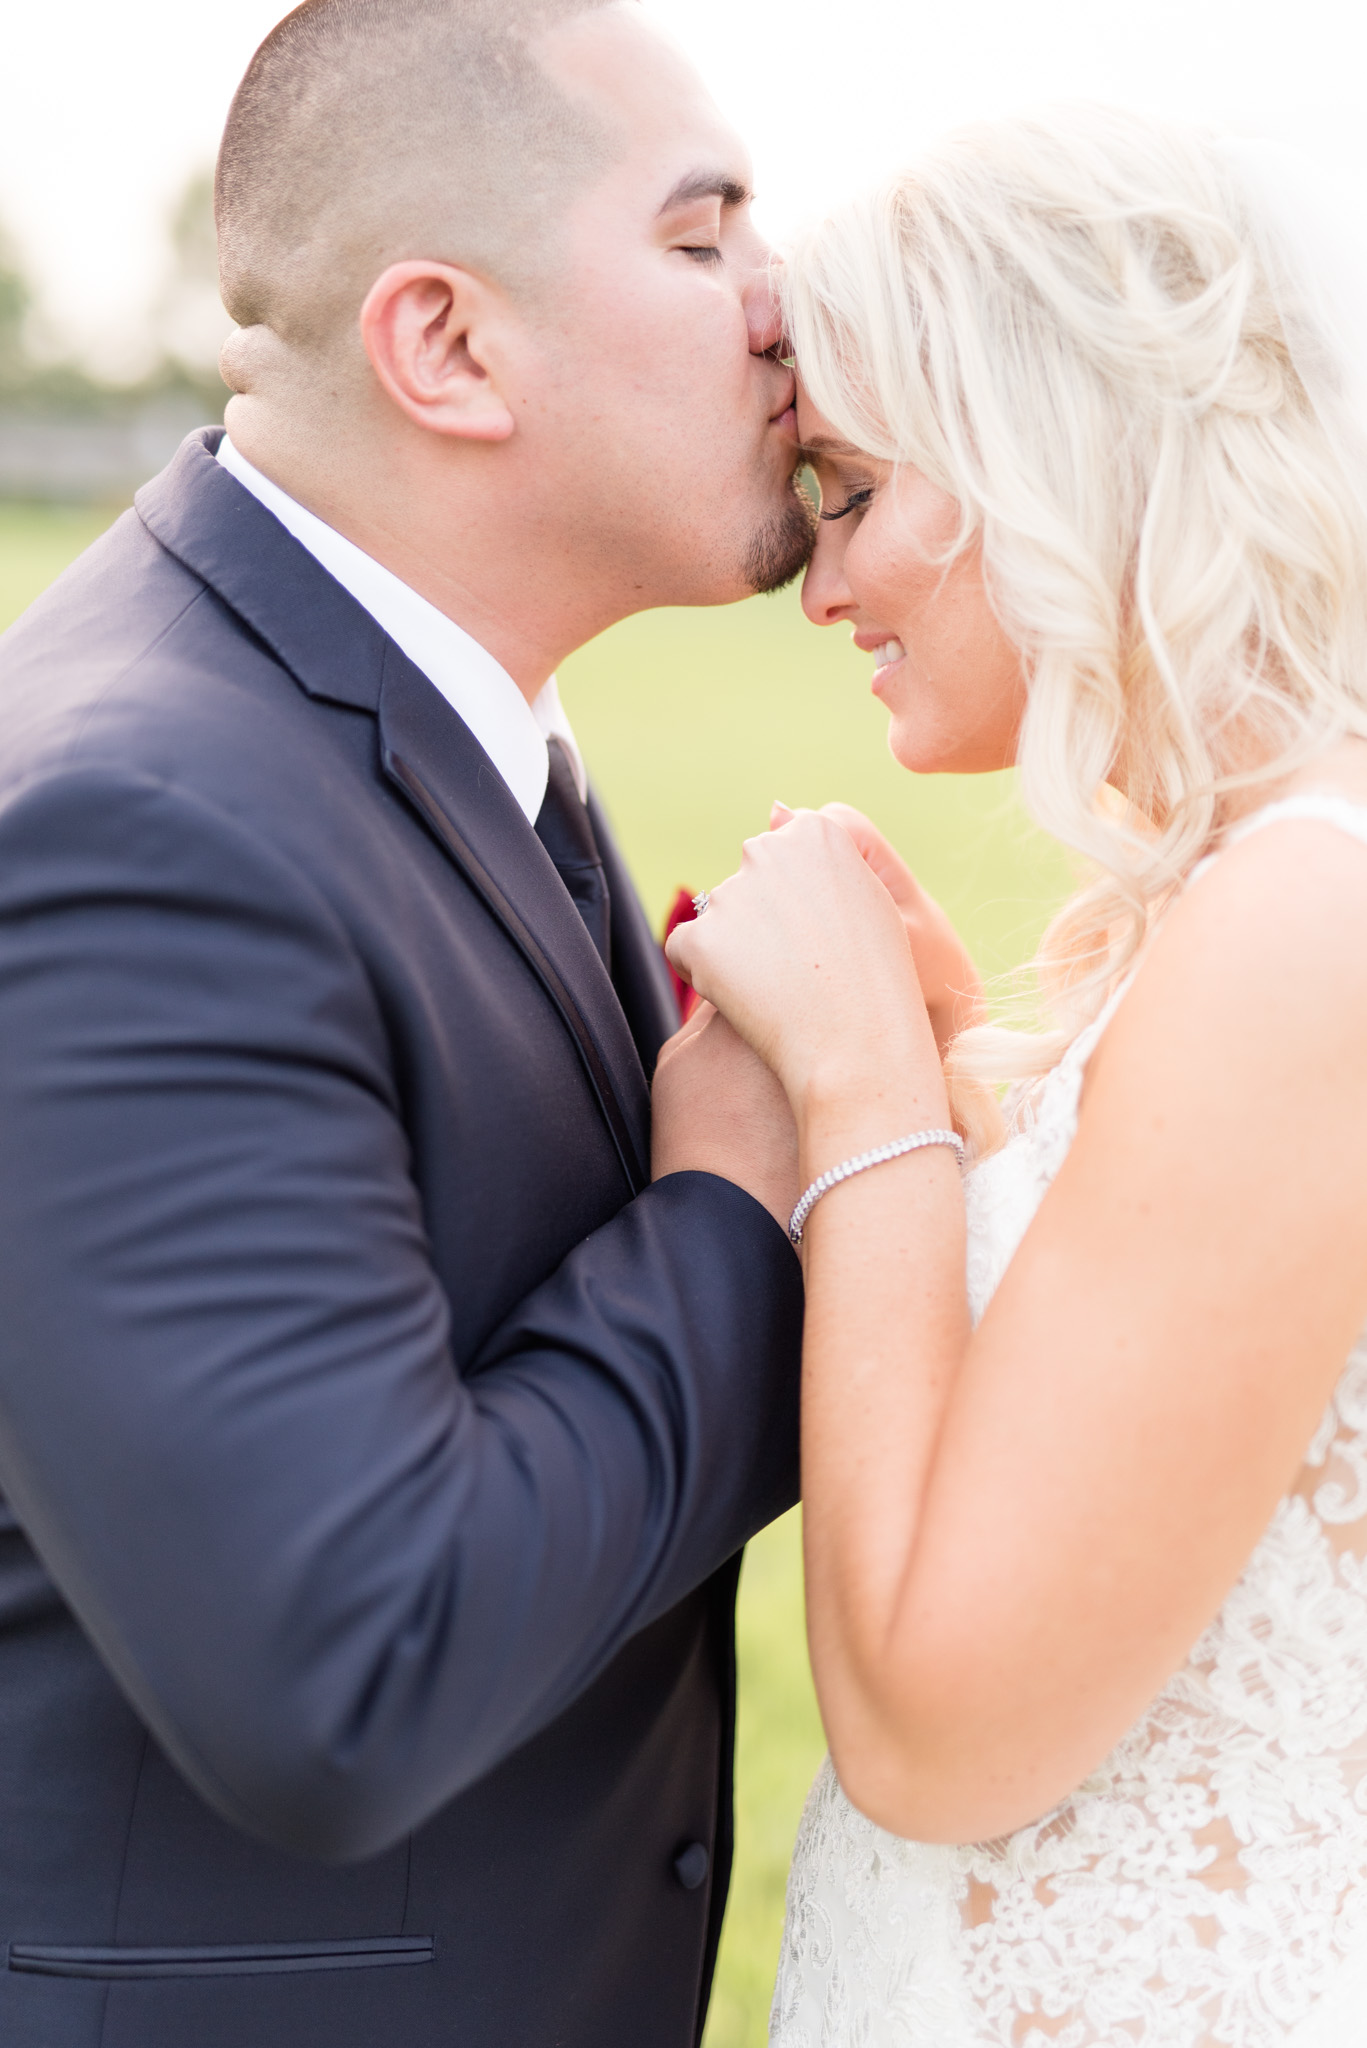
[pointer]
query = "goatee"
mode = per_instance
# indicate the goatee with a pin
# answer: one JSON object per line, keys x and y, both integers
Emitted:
{"x": 782, "y": 548}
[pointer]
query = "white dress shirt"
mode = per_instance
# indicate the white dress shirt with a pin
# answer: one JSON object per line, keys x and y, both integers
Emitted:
{"x": 512, "y": 732}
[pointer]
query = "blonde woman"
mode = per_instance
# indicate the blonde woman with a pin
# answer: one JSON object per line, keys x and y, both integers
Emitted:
{"x": 1085, "y": 1425}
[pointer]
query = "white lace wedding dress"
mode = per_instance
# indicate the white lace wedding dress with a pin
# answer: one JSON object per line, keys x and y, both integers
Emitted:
{"x": 1208, "y": 1883}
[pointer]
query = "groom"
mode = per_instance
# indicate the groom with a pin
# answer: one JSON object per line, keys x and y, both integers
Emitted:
{"x": 376, "y": 1443}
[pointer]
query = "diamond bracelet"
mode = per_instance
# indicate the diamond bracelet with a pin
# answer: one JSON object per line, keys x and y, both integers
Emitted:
{"x": 860, "y": 1164}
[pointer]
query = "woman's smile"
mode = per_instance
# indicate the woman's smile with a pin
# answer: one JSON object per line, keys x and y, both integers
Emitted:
{"x": 886, "y": 649}
{"x": 889, "y": 563}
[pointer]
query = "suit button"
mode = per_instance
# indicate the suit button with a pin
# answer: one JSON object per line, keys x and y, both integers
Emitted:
{"x": 691, "y": 1866}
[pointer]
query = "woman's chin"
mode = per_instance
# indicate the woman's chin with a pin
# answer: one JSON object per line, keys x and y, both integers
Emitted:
{"x": 921, "y": 753}
{"x": 940, "y": 753}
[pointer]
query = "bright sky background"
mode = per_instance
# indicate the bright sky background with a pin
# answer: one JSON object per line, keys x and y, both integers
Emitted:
{"x": 107, "y": 105}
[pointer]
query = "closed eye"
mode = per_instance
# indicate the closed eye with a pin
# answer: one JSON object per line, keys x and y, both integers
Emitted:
{"x": 856, "y": 502}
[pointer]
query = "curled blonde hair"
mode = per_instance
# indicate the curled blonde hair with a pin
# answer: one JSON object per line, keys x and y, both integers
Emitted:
{"x": 1076, "y": 327}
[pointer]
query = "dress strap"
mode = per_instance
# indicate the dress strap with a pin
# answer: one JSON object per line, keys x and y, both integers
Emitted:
{"x": 1089, "y": 1038}
{"x": 1325, "y": 806}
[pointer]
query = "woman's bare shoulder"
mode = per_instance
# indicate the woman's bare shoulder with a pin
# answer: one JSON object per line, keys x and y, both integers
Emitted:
{"x": 1261, "y": 963}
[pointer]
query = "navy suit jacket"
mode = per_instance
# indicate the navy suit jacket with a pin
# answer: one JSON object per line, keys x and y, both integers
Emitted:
{"x": 376, "y": 1444}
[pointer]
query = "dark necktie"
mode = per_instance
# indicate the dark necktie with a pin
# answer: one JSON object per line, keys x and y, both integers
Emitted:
{"x": 564, "y": 828}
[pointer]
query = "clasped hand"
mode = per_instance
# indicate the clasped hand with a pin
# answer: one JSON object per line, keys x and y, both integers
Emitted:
{"x": 718, "y": 1109}
{"x": 828, "y": 958}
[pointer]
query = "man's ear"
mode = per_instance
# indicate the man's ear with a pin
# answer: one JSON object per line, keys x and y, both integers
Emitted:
{"x": 425, "y": 328}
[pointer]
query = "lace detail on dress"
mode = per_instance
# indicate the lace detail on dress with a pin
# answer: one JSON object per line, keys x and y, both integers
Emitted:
{"x": 1208, "y": 1883}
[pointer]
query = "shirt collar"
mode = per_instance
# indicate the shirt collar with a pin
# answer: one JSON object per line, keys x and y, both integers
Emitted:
{"x": 479, "y": 689}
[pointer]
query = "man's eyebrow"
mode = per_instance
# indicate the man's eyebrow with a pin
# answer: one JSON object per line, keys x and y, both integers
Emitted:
{"x": 708, "y": 185}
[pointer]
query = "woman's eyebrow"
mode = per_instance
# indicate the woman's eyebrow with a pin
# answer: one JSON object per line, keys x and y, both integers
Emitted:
{"x": 825, "y": 444}
{"x": 708, "y": 185}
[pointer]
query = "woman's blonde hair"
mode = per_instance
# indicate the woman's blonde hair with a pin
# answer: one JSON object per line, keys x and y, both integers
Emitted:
{"x": 1075, "y": 326}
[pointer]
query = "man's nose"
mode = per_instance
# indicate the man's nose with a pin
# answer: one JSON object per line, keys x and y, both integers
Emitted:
{"x": 763, "y": 313}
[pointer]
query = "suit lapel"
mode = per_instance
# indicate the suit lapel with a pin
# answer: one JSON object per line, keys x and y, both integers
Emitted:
{"x": 433, "y": 757}
{"x": 201, "y": 515}
{"x": 639, "y": 973}
{"x": 336, "y": 651}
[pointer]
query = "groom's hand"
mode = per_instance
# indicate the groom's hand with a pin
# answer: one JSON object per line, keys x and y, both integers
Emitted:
{"x": 718, "y": 1109}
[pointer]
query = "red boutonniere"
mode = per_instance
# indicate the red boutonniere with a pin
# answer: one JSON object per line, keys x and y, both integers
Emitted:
{"x": 681, "y": 911}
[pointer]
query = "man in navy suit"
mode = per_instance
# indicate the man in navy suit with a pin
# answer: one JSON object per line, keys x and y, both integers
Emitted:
{"x": 377, "y": 1441}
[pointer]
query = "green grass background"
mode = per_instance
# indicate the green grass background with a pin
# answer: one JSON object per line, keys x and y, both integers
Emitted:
{"x": 692, "y": 723}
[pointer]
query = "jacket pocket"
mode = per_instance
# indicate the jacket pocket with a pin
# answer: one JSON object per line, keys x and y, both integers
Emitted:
{"x": 255, "y": 1959}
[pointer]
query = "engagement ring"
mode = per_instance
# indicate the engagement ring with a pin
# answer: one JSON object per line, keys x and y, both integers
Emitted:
{"x": 700, "y": 903}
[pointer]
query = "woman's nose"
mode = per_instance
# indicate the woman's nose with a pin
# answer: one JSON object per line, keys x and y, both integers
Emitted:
{"x": 826, "y": 596}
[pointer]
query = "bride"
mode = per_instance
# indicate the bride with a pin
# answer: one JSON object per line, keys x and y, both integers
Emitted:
{"x": 1085, "y": 1425}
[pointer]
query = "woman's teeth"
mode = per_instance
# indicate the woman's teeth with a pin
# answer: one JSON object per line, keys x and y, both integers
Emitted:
{"x": 890, "y": 651}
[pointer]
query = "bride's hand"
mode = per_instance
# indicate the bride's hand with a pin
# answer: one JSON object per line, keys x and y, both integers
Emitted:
{"x": 950, "y": 982}
{"x": 806, "y": 953}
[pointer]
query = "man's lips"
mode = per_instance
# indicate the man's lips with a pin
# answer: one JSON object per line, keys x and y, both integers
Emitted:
{"x": 784, "y": 416}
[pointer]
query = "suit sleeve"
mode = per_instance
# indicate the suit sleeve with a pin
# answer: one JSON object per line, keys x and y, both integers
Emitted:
{"x": 338, "y": 1582}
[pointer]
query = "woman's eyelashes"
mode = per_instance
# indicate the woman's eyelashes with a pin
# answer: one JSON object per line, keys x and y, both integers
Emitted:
{"x": 855, "y": 502}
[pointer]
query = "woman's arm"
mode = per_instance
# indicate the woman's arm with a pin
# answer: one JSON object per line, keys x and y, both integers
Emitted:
{"x": 1014, "y": 1537}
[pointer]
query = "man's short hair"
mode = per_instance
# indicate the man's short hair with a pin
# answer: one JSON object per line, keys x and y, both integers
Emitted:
{"x": 368, "y": 131}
